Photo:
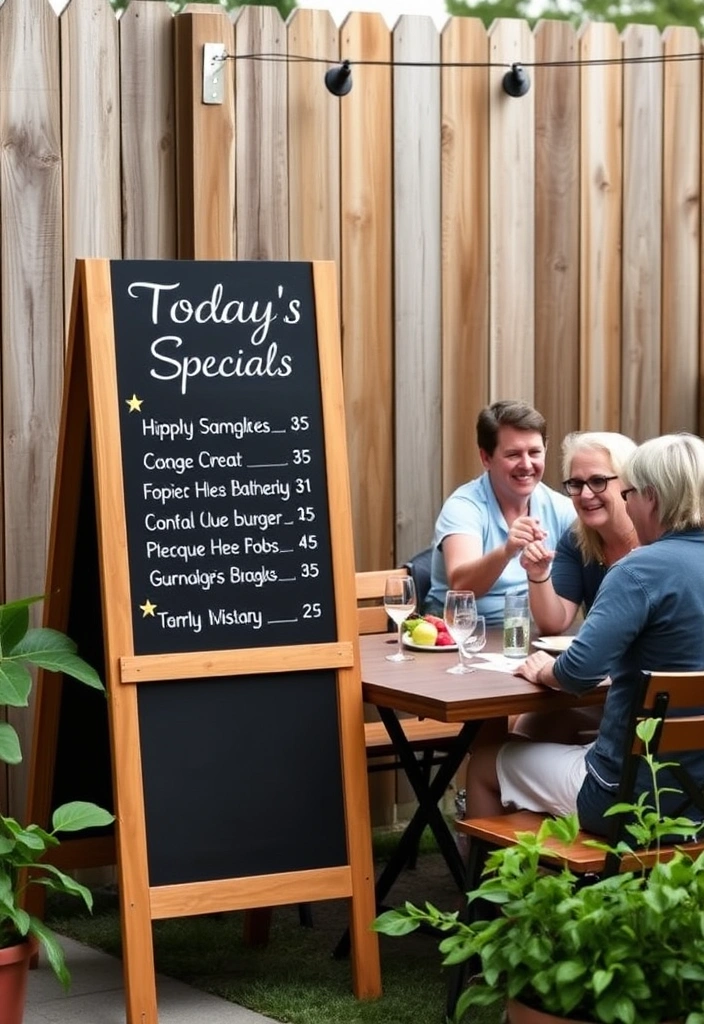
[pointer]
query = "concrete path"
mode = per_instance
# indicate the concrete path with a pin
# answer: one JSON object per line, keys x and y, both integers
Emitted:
{"x": 97, "y": 996}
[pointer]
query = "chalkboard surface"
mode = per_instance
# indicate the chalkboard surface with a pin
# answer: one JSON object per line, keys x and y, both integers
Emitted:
{"x": 83, "y": 735}
{"x": 242, "y": 776}
{"x": 223, "y": 455}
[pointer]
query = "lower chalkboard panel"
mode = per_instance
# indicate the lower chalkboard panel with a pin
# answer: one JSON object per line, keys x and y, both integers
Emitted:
{"x": 242, "y": 776}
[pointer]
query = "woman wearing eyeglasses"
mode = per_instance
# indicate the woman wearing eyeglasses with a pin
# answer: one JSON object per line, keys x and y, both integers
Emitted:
{"x": 561, "y": 581}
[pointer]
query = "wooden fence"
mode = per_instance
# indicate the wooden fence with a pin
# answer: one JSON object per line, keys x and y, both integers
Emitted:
{"x": 546, "y": 247}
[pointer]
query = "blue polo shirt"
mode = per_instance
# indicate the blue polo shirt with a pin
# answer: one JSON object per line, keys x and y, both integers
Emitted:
{"x": 473, "y": 510}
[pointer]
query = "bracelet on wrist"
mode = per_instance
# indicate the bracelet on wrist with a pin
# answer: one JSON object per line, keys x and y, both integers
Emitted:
{"x": 544, "y": 579}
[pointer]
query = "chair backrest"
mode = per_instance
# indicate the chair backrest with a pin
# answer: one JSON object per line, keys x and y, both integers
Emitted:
{"x": 371, "y": 615}
{"x": 419, "y": 569}
{"x": 676, "y": 699}
{"x": 668, "y": 692}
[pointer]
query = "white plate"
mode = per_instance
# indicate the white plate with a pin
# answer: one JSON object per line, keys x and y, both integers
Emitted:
{"x": 407, "y": 642}
{"x": 554, "y": 644}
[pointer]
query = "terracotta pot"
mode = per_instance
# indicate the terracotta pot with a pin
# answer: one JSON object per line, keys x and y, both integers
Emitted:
{"x": 14, "y": 968}
{"x": 520, "y": 1014}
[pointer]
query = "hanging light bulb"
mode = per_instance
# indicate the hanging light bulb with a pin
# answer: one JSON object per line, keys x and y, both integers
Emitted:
{"x": 516, "y": 81}
{"x": 338, "y": 80}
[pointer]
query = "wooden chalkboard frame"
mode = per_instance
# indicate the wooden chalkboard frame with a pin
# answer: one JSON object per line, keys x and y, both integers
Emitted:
{"x": 90, "y": 412}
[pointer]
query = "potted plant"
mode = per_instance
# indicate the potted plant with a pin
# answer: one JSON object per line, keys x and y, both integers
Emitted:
{"x": 23, "y": 847}
{"x": 627, "y": 949}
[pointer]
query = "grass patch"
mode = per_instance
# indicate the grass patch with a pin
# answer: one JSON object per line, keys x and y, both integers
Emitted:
{"x": 295, "y": 978}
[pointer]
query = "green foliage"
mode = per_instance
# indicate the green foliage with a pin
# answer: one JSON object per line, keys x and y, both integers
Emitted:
{"x": 22, "y": 848}
{"x": 626, "y": 949}
{"x": 660, "y": 13}
{"x": 284, "y": 7}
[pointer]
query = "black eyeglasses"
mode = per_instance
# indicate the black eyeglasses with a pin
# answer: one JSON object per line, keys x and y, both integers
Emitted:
{"x": 629, "y": 490}
{"x": 596, "y": 484}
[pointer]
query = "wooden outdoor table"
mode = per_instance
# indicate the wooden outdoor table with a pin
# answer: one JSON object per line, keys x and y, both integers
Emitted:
{"x": 423, "y": 687}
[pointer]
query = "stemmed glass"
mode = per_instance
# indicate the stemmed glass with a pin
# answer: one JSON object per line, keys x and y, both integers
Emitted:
{"x": 399, "y": 602}
{"x": 460, "y": 618}
{"x": 475, "y": 643}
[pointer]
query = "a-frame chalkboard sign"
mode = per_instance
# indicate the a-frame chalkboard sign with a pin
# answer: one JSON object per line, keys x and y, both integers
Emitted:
{"x": 201, "y": 542}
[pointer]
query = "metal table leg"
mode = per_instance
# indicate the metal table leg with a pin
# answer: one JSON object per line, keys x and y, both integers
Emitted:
{"x": 427, "y": 812}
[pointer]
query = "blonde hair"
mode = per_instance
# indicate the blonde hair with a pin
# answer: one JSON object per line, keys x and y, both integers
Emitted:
{"x": 671, "y": 467}
{"x": 618, "y": 448}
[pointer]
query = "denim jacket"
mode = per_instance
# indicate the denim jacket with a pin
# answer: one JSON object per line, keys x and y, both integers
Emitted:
{"x": 648, "y": 614}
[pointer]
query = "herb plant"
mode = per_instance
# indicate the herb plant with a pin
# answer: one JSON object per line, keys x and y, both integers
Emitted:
{"x": 628, "y": 949}
{"x": 23, "y": 847}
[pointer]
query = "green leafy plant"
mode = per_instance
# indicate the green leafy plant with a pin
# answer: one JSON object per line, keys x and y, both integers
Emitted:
{"x": 627, "y": 949}
{"x": 22, "y": 848}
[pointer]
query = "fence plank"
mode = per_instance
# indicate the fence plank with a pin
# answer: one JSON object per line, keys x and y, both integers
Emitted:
{"x": 465, "y": 246}
{"x": 417, "y": 264}
{"x": 511, "y": 218}
{"x": 642, "y": 226}
{"x": 90, "y": 102}
{"x": 261, "y": 153}
{"x": 206, "y": 144}
{"x": 556, "y": 236}
{"x": 600, "y": 211}
{"x": 148, "y": 131}
{"x": 313, "y": 140}
{"x": 367, "y": 281}
{"x": 682, "y": 234}
{"x": 31, "y": 289}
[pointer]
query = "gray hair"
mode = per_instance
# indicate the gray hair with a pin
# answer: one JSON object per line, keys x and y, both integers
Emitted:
{"x": 618, "y": 448}
{"x": 671, "y": 468}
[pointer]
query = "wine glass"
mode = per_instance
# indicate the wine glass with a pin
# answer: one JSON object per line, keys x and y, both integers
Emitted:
{"x": 399, "y": 602}
{"x": 460, "y": 618}
{"x": 475, "y": 643}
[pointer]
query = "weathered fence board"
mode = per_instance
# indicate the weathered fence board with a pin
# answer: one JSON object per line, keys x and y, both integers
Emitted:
{"x": 313, "y": 141}
{"x": 681, "y": 238}
{"x": 642, "y": 246}
{"x": 148, "y": 132}
{"x": 261, "y": 126}
{"x": 465, "y": 246}
{"x": 417, "y": 275}
{"x": 367, "y": 283}
{"x": 556, "y": 233}
{"x": 512, "y": 220}
{"x": 31, "y": 306}
{"x": 601, "y": 205}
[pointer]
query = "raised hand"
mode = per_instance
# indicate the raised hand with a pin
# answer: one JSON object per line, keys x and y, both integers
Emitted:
{"x": 537, "y": 560}
{"x": 523, "y": 531}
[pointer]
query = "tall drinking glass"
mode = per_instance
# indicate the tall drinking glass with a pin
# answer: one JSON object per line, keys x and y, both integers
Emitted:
{"x": 475, "y": 643}
{"x": 516, "y": 625}
{"x": 460, "y": 618}
{"x": 399, "y": 602}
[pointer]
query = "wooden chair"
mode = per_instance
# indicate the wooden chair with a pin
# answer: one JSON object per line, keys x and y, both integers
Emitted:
{"x": 668, "y": 696}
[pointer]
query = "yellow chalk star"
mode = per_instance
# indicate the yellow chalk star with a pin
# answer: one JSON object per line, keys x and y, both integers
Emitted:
{"x": 147, "y": 608}
{"x": 134, "y": 403}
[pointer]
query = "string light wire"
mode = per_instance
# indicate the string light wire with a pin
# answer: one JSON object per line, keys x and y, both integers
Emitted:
{"x": 294, "y": 58}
